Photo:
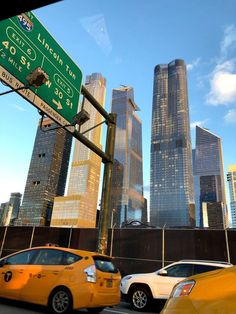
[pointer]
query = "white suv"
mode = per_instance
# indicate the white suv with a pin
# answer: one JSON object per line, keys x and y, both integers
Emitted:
{"x": 141, "y": 289}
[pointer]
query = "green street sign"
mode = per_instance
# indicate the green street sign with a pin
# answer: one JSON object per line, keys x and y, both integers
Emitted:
{"x": 26, "y": 45}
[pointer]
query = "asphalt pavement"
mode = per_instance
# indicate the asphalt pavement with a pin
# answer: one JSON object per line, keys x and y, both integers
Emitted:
{"x": 15, "y": 307}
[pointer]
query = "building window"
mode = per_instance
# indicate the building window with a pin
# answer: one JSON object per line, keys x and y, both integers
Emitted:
{"x": 36, "y": 182}
{"x": 41, "y": 155}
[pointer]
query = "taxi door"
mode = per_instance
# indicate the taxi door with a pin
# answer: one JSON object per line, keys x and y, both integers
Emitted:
{"x": 42, "y": 275}
{"x": 10, "y": 281}
{"x": 12, "y": 274}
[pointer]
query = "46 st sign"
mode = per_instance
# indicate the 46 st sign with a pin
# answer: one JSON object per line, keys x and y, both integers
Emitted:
{"x": 26, "y": 45}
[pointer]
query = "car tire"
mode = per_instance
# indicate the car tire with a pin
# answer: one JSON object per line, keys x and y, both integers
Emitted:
{"x": 95, "y": 310}
{"x": 60, "y": 301}
{"x": 140, "y": 298}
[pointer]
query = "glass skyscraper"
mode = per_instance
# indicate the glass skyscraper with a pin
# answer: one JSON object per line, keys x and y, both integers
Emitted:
{"x": 231, "y": 178}
{"x": 127, "y": 201}
{"x": 9, "y": 211}
{"x": 15, "y": 200}
{"x": 79, "y": 207}
{"x": 208, "y": 174}
{"x": 171, "y": 177}
{"x": 47, "y": 174}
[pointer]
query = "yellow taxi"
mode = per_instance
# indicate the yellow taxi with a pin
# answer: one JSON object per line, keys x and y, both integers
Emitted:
{"x": 61, "y": 278}
{"x": 209, "y": 293}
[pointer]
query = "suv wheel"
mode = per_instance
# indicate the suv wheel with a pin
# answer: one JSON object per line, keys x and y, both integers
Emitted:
{"x": 140, "y": 298}
{"x": 60, "y": 301}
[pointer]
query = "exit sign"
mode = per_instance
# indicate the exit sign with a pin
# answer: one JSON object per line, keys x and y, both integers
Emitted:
{"x": 26, "y": 45}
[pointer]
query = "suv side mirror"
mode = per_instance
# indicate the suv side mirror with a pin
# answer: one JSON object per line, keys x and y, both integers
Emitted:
{"x": 162, "y": 272}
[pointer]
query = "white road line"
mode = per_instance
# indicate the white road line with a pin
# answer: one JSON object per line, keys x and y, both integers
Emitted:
{"x": 114, "y": 311}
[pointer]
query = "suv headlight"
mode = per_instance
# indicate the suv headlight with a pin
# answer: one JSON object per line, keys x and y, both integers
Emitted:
{"x": 182, "y": 289}
{"x": 127, "y": 277}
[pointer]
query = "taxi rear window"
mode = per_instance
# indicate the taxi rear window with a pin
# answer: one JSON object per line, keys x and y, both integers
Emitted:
{"x": 104, "y": 265}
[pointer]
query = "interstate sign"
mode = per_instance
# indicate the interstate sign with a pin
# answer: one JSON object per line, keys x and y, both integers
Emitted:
{"x": 26, "y": 45}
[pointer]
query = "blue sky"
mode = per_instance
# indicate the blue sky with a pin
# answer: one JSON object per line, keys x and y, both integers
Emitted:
{"x": 124, "y": 40}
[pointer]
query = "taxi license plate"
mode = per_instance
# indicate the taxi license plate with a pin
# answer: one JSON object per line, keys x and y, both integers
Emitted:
{"x": 109, "y": 283}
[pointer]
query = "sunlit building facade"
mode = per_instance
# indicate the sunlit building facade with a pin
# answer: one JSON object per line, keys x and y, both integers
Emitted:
{"x": 171, "y": 177}
{"x": 9, "y": 210}
{"x": 4, "y": 210}
{"x": 47, "y": 174}
{"x": 231, "y": 178}
{"x": 79, "y": 207}
{"x": 208, "y": 173}
{"x": 127, "y": 201}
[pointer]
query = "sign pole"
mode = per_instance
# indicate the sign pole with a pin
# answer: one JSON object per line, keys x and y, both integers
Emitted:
{"x": 106, "y": 188}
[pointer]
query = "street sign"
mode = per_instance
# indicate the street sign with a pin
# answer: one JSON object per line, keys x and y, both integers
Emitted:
{"x": 26, "y": 45}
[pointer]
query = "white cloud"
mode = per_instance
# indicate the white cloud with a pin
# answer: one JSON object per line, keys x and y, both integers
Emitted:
{"x": 19, "y": 108}
{"x": 95, "y": 26}
{"x": 223, "y": 84}
{"x": 118, "y": 60}
{"x": 198, "y": 123}
{"x": 229, "y": 40}
{"x": 194, "y": 64}
{"x": 230, "y": 117}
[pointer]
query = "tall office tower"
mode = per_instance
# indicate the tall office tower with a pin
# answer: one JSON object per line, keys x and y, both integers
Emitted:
{"x": 127, "y": 201}
{"x": 79, "y": 207}
{"x": 4, "y": 209}
{"x": 9, "y": 211}
{"x": 231, "y": 178}
{"x": 171, "y": 178}
{"x": 208, "y": 176}
{"x": 15, "y": 200}
{"x": 47, "y": 174}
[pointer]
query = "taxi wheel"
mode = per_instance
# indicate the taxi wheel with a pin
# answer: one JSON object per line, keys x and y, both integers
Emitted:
{"x": 95, "y": 310}
{"x": 60, "y": 301}
{"x": 140, "y": 298}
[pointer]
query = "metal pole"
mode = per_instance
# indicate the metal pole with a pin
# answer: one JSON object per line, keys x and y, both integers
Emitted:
{"x": 227, "y": 245}
{"x": 32, "y": 237}
{"x": 70, "y": 236}
{"x": 93, "y": 147}
{"x": 106, "y": 188}
{"x": 112, "y": 230}
{"x": 163, "y": 246}
{"x": 96, "y": 104}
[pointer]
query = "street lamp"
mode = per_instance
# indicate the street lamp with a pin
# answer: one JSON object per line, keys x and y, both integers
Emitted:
{"x": 81, "y": 117}
{"x": 36, "y": 78}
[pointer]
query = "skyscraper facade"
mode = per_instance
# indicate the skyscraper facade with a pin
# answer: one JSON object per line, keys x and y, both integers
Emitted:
{"x": 208, "y": 174}
{"x": 231, "y": 178}
{"x": 9, "y": 211}
{"x": 4, "y": 209}
{"x": 15, "y": 200}
{"x": 171, "y": 177}
{"x": 79, "y": 207}
{"x": 127, "y": 201}
{"x": 47, "y": 174}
